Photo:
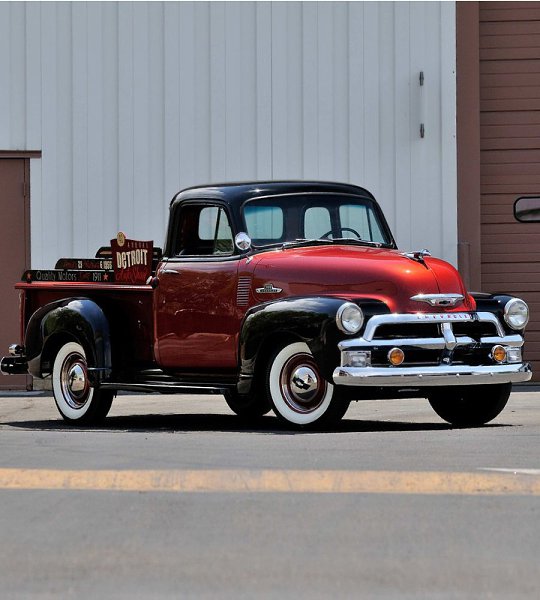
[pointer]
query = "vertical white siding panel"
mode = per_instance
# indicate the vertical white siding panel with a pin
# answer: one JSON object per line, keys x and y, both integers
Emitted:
{"x": 53, "y": 217}
{"x": 126, "y": 141}
{"x": 32, "y": 104}
{"x": 385, "y": 191}
{"x": 280, "y": 154}
{"x": 141, "y": 121}
{"x": 156, "y": 200}
{"x": 234, "y": 78}
{"x": 357, "y": 87}
{"x": 186, "y": 34}
{"x": 401, "y": 98}
{"x": 218, "y": 92}
{"x": 426, "y": 185}
{"x": 99, "y": 231}
{"x": 202, "y": 93}
{"x": 340, "y": 85}
{"x": 264, "y": 89}
{"x": 447, "y": 25}
{"x": 248, "y": 95}
{"x": 326, "y": 93}
{"x": 372, "y": 70}
{"x": 109, "y": 109}
{"x": 294, "y": 91}
{"x": 171, "y": 103}
{"x": 64, "y": 133}
{"x": 5, "y": 75}
{"x": 32, "y": 101}
{"x": 80, "y": 131}
{"x": 17, "y": 85}
{"x": 310, "y": 87}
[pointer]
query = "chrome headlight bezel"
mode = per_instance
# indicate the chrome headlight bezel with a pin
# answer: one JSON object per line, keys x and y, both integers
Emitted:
{"x": 510, "y": 314}
{"x": 350, "y": 318}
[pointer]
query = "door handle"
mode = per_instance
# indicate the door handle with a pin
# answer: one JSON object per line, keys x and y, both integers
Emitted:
{"x": 170, "y": 272}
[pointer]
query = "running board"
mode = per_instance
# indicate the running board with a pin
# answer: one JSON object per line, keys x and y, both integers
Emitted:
{"x": 165, "y": 388}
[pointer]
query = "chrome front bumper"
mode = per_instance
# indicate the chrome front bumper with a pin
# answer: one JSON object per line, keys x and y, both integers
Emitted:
{"x": 424, "y": 376}
{"x": 432, "y": 376}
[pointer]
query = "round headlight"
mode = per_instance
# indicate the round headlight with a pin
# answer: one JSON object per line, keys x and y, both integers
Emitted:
{"x": 349, "y": 318}
{"x": 516, "y": 313}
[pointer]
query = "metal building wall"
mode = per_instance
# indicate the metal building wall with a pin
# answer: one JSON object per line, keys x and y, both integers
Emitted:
{"x": 131, "y": 102}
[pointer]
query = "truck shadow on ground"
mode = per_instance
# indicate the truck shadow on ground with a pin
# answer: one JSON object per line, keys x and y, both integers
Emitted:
{"x": 188, "y": 423}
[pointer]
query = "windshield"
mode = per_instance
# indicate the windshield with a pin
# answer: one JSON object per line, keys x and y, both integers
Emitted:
{"x": 299, "y": 217}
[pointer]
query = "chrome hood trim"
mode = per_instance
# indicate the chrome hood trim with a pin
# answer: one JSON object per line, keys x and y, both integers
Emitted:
{"x": 439, "y": 299}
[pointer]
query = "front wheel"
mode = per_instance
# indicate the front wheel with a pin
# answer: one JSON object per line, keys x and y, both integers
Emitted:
{"x": 297, "y": 390}
{"x": 470, "y": 406}
{"x": 76, "y": 401}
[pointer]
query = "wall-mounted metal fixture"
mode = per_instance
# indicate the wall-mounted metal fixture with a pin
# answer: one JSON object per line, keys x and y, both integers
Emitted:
{"x": 422, "y": 126}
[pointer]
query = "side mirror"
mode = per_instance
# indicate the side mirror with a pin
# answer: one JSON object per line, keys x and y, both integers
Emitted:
{"x": 527, "y": 209}
{"x": 242, "y": 241}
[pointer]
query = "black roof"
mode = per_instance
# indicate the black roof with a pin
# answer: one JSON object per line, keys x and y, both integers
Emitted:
{"x": 237, "y": 193}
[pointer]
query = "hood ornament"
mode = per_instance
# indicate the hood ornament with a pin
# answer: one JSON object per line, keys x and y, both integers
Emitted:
{"x": 417, "y": 255}
{"x": 439, "y": 299}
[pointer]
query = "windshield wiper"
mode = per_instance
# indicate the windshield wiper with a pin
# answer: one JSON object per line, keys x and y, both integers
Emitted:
{"x": 306, "y": 242}
{"x": 357, "y": 241}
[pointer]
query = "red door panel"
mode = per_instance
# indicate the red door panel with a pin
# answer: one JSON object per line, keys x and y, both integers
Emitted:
{"x": 196, "y": 317}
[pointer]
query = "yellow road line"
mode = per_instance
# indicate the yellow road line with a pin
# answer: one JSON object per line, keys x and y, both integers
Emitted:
{"x": 281, "y": 481}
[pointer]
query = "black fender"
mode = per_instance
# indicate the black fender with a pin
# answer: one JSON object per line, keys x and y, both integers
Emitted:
{"x": 80, "y": 319}
{"x": 494, "y": 303}
{"x": 308, "y": 319}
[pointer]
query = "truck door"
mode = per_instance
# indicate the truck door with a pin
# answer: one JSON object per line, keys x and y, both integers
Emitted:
{"x": 195, "y": 309}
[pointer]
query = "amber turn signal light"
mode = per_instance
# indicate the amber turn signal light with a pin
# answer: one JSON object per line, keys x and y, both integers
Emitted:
{"x": 396, "y": 356}
{"x": 498, "y": 353}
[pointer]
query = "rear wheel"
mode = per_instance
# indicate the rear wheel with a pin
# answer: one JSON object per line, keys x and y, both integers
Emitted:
{"x": 76, "y": 401}
{"x": 472, "y": 406}
{"x": 298, "y": 392}
{"x": 248, "y": 407}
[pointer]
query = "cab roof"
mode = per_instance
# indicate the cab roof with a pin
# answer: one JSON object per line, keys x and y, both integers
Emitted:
{"x": 236, "y": 194}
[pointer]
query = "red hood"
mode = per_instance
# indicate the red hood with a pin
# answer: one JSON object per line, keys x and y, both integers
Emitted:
{"x": 355, "y": 271}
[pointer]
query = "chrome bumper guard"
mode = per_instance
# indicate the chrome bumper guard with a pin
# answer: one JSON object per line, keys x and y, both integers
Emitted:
{"x": 424, "y": 376}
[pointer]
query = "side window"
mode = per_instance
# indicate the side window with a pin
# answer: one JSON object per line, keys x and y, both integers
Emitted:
{"x": 204, "y": 231}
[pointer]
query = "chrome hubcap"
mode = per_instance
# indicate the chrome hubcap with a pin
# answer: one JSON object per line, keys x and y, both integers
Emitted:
{"x": 302, "y": 386}
{"x": 304, "y": 383}
{"x": 74, "y": 380}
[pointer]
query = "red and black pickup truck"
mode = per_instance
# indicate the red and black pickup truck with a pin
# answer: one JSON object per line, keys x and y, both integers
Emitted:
{"x": 283, "y": 296}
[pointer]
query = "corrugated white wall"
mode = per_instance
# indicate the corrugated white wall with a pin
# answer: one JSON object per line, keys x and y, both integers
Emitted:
{"x": 131, "y": 102}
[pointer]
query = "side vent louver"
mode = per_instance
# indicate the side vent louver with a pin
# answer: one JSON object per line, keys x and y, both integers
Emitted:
{"x": 242, "y": 294}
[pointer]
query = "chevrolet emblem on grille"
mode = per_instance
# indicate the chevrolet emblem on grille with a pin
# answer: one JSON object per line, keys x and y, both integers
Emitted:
{"x": 439, "y": 299}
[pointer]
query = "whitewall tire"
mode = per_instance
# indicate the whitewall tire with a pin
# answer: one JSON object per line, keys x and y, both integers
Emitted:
{"x": 297, "y": 390}
{"x": 75, "y": 399}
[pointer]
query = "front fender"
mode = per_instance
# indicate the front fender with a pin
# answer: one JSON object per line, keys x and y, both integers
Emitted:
{"x": 310, "y": 319}
{"x": 80, "y": 319}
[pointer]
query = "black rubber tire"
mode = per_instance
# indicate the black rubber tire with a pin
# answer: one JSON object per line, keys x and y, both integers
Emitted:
{"x": 470, "y": 406}
{"x": 328, "y": 409}
{"x": 82, "y": 406}
{"x": 249, "y": 407}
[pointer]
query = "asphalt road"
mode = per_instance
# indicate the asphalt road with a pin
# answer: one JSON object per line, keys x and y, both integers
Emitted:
{"x": 175, "y": 497}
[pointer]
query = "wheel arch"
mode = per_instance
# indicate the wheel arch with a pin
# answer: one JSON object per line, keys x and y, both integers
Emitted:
{"x": 73, "y": 319}
{"x": 276, "y": 324}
